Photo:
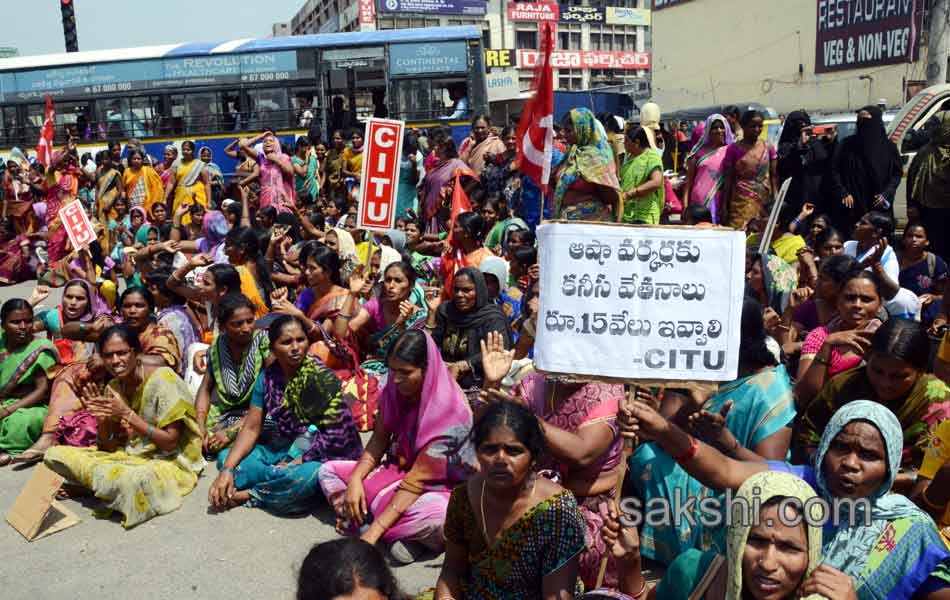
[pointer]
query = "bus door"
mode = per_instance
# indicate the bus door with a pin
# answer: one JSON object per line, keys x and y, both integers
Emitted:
{"x": 352, "y": 84}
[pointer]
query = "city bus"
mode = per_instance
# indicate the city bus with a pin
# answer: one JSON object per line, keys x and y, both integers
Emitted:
{"x": 212, "y": 93}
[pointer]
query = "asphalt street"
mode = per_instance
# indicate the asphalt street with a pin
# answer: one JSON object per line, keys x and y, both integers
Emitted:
{"x": 190, "y": 553}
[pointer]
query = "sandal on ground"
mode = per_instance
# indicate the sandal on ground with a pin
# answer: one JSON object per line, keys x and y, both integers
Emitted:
{"x": 5, "y": 459}
{"x": 29, "y": 457}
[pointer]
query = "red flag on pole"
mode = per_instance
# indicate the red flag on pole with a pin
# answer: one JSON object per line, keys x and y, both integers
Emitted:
{"x": 536, "y": 129}
{"x": 44, "y": 147}
{"x": 454, "y": 260}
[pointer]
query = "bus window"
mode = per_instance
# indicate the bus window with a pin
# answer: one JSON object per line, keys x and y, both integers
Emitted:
{"x": 192, "y": 114}
{"x": 73, "y": 119}
{"x": 35, "y": 116}
{"x": 11, "y": 133}
{"x": 412, "y": 99}
{"x": 269, "y": 109}
{"x": 143, "y": 110}
{"x": 123, "y": 118}
{"x": 305, "y": 107}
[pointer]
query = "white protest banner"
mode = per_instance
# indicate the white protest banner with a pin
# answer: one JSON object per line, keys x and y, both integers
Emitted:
{"x": 380, "y": 177}
{"x": 77, "y": 224}
{"x": 647, "y": 303}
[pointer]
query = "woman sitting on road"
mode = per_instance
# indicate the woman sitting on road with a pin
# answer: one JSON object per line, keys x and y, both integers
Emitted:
{"x": 27, "y": 365}
{"x": 418, "y": 451}
{"x": 295, "y": 401}
{"x": 510, "y": 533}
{"x": 149, "y": 450}
{"x": 895, "y": 376}
{"x": 895, "y": 553}
{"x": 235, "y": 361}
{"x": 834, "y": 348}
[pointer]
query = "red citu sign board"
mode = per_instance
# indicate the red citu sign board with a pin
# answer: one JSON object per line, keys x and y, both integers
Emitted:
{"x": 77, "y": 224}
{"x": 380, "y": 177}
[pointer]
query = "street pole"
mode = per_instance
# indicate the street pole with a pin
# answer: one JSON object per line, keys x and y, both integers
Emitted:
{"x": 938, "y": 51}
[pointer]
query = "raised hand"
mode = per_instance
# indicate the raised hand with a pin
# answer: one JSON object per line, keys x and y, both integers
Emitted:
{"x": 433, "y": 298}
{"x": 496, "y": 360}
{"x": 358, "y": 280}
{"x": 858, "y": 342}
{"x": 406, "y": 310}
{"x": 799, "y": 296}
{"x": 710, "y": 426}
{"x": 40, "y": 293}
{"x": 201, "y": 260}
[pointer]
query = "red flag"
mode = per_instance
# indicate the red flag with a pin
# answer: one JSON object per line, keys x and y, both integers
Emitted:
{"x": 454, "y": 260}
{"x": 44, "y": 147}
{"x": 536, "y": 129}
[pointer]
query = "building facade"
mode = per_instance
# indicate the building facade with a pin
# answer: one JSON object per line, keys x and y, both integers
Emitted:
{"x": 828, "y": 55}
{"x": 280, "y": 30}
{"x": 600, "y": 43}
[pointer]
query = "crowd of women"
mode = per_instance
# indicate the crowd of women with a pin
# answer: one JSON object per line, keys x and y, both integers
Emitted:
{"x": 253, "y": 324}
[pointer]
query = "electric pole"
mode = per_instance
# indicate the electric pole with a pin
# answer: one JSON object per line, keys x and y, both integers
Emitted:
{"x": 938, "y": 48}
{"x": 68, "y": 9}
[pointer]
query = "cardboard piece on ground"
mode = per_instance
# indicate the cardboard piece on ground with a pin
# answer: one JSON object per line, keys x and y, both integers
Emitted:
{"x": 36, "y": 514}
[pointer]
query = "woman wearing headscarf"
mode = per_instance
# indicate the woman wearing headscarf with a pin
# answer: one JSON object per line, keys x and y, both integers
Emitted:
{"x": 804, "y": 159}
{"x": 164, "y": 168}
{"x": 276, "y": 172}
{"x": 753, "y": 415}
{"x": 62, "y": 183}
{"x": 587, "y": 186}
{"x": 418, "y": 452}
{"x": 459, "y": 325}
{"x": 214, "y": 229}
{"x": 928, "y": 188}
{"x": 866, "y": 170}
{"x": 482, "y": 144}
{"x": 797, "y": 548}
{"x": 887, "y": 546}
{"x": 705, "y": 176}
{"x": 340, "y": 241}
{"x": 297, "y": 421}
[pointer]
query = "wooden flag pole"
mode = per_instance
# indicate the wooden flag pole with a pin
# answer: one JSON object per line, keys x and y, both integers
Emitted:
{"x": 618, "y": 489}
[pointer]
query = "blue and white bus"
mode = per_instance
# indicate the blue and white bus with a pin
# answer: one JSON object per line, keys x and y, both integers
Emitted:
{"x": 212, "y": 92}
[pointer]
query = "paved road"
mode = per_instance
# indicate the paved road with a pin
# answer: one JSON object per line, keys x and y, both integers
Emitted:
{"x": 245, "y": 553}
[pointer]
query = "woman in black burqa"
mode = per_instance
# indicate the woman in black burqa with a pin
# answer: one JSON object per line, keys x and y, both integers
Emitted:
{"x": 865, "y": 172}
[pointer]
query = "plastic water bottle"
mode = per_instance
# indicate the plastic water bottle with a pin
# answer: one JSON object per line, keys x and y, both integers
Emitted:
{"x": 302, "y": 443}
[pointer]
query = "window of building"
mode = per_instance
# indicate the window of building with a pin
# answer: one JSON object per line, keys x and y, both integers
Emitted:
{"x": 570, "y": 79}
{"x": 617, "y": 38}
{"x": 569, "y": 37}
{"x": 526, "y": 39}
